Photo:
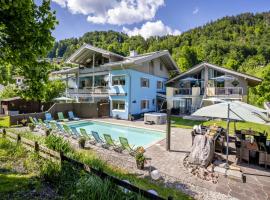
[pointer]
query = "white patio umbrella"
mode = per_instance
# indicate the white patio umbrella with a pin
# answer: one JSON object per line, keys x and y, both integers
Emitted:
{"x": 230, "y": 111}
{"x": 223, "y": 78}
{"x": 189, "y": 79}
{"x": 62, "y": 99}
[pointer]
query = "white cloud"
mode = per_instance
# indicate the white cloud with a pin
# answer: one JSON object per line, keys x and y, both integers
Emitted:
{"x": 117, "y": 12}
{"x": 195, "y": 11}
{"x": 62, "y": 3}
{"x": 149, "y": 29}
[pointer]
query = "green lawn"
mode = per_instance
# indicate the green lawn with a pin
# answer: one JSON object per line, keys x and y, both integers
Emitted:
{"x": 185, "y": 123}
{"x": 4, "y": 121}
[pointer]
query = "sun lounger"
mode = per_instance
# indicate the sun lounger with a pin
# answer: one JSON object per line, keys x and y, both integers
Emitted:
{"x": 42, "y": 124}
{"x": 87, "y": 136}
{"x": 109, "y": 141}
{"x": 99, "y": 140}
{"x": 48, "y": 117}
{"x": 72, "y": 117}
{"x": 61, "y": 117}
{"x": 69, "y": 132}
{"x": 34, "y": 122}
{"x": 74, "y": 130}
{"x": 61, "y": 130}
{"x": 125, "y": 145}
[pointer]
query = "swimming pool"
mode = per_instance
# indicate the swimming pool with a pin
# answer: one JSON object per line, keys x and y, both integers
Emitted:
{"x": 135, "y": 136}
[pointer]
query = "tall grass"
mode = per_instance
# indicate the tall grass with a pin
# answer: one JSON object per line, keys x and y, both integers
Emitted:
{"x": 57, "y": 143}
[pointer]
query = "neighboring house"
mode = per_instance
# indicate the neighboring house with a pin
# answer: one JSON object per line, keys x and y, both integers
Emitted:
{"x": 132, "y": 85}
{"x": 204, "y": 83}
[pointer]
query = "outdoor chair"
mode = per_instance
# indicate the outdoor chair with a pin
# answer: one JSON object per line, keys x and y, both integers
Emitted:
{"x": 61, "y": 129}
{"x": 125, "y": 145}
{"x": 75, "y": 132}
{"x": 87, "y": 136}
{"x": 99, "y": 140}
{"x": 61, "y": 117}
{"x": 69, "y": 132}
{"x": 48, "y": 117}
{"x": 109, "y": 141}
{"x": 72, "y": 117}
{"x": 42, "y": 124}
{"x": 33, "y": 121}
{"x": 53, "y": 126}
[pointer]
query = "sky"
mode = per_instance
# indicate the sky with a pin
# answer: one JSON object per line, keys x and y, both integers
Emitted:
{"x": 144, "y": 17}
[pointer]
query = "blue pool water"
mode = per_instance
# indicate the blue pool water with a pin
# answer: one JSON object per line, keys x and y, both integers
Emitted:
{"x": 135, "y": 136}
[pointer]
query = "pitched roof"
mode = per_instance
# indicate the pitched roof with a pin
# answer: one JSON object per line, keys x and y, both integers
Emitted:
{"x": 138, "y": 59}
{"x": 83, "y": 52}
{"x": 223, "y": 69}
{"x": 76, "y": 55}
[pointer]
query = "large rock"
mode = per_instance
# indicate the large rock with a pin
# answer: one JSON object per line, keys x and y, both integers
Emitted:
{"x": 202, "y": 151}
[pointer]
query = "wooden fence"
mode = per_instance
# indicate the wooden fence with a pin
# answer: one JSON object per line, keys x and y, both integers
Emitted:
{"x": 50, "y": 154}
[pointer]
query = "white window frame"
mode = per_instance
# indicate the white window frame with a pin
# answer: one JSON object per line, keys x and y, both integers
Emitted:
{"x": 119, "y": 110}
{"x": 148, "y": 104}
{"x": 121, "y": 75}
{"x": 141, "y": 79}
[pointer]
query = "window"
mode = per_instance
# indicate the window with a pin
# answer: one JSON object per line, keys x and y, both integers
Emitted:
{"x": 159, "y": 85}
{"x": 144, "y": 82}
{"x": 118, "y": 105}
{"x": 118, "y": 80}
{"x": 161, "y": 66}
{"x": 144, "y": 104}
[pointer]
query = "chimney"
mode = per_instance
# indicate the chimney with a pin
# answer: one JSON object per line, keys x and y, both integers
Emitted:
{"x": 133, "y": 53}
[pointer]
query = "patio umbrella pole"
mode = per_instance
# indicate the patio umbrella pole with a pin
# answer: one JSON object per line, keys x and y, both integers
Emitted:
{"x": 227, "y": 147}
{"x": 168, "y": 131}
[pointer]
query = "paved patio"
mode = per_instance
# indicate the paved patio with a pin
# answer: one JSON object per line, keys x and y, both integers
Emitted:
{"x": 170, "y": 164}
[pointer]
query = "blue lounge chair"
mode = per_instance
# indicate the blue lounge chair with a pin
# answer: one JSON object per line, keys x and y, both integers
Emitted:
{"x": 72, "y": 117}
{"x": 99, "y": 140}
{"x": 48, "y": 117}
{"x": 75, "y": 132}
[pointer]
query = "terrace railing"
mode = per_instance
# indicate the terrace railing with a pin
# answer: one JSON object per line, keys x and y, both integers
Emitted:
{"x": 224, "y": 91}
{"x": 183, "y": 91}
{"x": 86, "y": 92}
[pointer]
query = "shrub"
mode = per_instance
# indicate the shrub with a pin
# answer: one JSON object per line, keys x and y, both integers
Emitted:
{"x": 58, "y": 144}
{"x": 50, "y": 171}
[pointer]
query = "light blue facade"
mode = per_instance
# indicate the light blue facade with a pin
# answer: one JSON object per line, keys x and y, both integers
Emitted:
{"x": 132, "y": 93}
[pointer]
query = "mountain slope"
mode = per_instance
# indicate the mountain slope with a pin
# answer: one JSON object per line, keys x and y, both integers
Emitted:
{"x": 237, "y": 42}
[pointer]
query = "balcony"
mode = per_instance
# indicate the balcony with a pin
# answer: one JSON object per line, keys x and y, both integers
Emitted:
{"x": 194, "y": 91}
{"x": 230, "y": 92}
{"x": 89, "y": 92}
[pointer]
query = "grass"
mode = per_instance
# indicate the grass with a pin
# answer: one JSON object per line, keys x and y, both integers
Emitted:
{"x": 185, "y": 123}
{"x": 5, "y": 121}
{"x": 69, "y": 182}
{"x": 19, "y": 171}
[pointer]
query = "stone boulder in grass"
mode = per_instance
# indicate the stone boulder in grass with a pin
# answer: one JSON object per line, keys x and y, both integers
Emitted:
{"x": 202, "y": 151}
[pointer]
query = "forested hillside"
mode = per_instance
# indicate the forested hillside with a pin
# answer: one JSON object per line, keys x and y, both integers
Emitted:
{"x": 240, "y": 42}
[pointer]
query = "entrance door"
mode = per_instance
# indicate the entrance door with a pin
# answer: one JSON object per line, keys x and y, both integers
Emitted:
{"x": 103, "y": 109}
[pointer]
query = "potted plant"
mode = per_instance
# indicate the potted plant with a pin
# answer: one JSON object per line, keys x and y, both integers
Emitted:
{"x": 140, "y": 158}
{"x": 48, "y": 131}
{"x": 82, "y": 142}
{"x": 31, "y": 126}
